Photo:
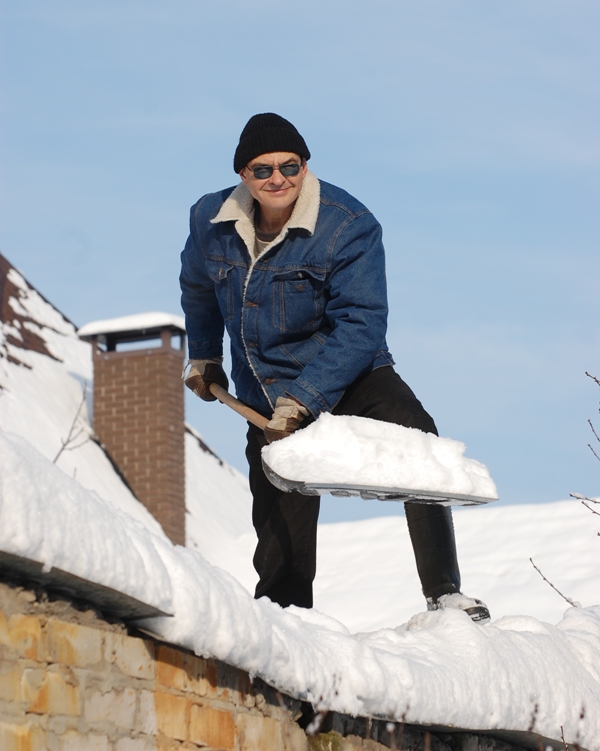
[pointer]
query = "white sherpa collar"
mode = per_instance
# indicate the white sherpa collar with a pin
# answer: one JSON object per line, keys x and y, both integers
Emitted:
{"x": 239, "y": 208}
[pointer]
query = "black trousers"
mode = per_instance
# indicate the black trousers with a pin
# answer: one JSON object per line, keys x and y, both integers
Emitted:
{"x": 286, "y": 523}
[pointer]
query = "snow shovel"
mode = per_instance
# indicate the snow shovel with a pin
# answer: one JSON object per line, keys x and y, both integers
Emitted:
{"x": 343, "y": 490}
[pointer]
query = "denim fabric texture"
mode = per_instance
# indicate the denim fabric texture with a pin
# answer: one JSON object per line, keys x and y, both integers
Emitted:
{"x": 305, "y": 319}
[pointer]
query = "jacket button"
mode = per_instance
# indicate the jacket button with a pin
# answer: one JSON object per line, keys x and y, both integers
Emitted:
{"x": 269, "y": 381}
{"x": 252, "y": 344}
{"x": 250, "y": 304}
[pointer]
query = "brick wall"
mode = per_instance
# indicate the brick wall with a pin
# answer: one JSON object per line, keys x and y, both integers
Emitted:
{"x": 138, "y": 418}
{"x": 69, "y": 686}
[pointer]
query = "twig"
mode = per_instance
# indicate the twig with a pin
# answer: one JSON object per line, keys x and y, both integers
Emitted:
{"x": 568, "y": 599}
{"x": 596, "y": 436}
{"x": 580, "y": 497}
{"x": 68, "y": 443}
{"x": 593, "y": 452}
{"x": 589, "y": 375}
{"x": 534, "y": 713}
{"x": 583, "y": 503}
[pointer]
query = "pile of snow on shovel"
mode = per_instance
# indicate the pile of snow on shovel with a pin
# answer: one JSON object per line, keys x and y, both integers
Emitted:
{"x": 361, "y": 451}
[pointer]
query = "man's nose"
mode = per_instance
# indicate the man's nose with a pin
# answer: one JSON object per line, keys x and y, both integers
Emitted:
{"x": 277, "y": 178}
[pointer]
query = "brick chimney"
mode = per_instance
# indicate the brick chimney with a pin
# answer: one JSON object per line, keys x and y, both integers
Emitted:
{"x": 138, "y": 408}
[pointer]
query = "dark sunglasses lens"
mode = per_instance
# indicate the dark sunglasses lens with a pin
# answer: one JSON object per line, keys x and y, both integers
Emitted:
{"x": 289, "y": 170}
{"x": 261, "y": 173}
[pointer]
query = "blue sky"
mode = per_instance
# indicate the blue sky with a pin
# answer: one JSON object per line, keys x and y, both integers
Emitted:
{"x": 471, "y": 131}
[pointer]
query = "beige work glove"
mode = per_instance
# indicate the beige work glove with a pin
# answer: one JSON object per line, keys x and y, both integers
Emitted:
{"x": 204, "y": 372}
{"x": 287, "y": 418}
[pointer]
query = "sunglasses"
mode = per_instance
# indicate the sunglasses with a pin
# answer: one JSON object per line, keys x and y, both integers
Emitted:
{"x": 264, "y": 171}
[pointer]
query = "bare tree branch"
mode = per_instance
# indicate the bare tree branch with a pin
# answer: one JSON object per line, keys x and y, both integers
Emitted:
{"x": 580, "y": 497}
{"x": 568, "y": 599}
{"x": 583, "y": 503}
{"x": 593, "y": 452}
{"x": 69, "y": 443}
{"x": 589, "y": 375}
{"x": 596, "y": 436}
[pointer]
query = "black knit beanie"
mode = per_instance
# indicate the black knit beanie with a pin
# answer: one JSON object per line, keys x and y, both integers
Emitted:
{"x": 264, "y": 134}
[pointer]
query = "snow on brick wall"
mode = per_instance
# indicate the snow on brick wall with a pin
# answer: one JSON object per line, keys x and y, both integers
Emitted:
{"x": 65, "y": 685}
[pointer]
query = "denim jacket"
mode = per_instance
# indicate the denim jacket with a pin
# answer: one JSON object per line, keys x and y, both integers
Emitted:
{"x": 305, "y": 318}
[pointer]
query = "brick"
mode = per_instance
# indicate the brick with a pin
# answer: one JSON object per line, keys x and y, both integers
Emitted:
{"x": 210, "y": 674}
{"x": 3, "y": 629}
{"x": 70, "y": 644}
{"x": 134, "y": 744}
{"x": 25, "y": 636}
{"x": 21, "y": 737}
{"x": 146, "y": 718}
{"x": 195, "y": 681}
{"x": 10, "y": 681}
{"x": 294, "y": 738}
{"x": 51, "y": 692}
{"x": 235, "y": 685}
{"x": 74, "y": 741}
{"x": 212, "y": 727}
{"x": 133, "y": 657}
{"x": 60, "y": 724}
{"x": 256, "y": 733}
{"x": 170, "y": 667}
{"x": 246, "y": 690}
{"x": 117, "y": 707}
{"x": 171, "y": 715}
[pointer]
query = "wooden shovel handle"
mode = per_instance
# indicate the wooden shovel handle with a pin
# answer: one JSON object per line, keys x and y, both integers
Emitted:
{"x": 237, "y": 406}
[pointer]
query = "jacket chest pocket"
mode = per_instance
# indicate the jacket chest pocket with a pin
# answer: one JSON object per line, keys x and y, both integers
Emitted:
{"x": 298, "y": 299}
{"x": 223, "y": 276}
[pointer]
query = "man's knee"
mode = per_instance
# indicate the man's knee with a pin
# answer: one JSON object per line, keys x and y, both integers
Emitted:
{"x": 383, "y": 395}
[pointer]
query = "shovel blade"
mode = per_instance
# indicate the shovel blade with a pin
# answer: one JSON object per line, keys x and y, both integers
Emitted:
{"x": 367, "y": 492}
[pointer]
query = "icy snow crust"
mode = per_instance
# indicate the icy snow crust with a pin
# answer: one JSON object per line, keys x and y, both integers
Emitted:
{"x": 439, "y": 668}
{"x": 360, "y": 451}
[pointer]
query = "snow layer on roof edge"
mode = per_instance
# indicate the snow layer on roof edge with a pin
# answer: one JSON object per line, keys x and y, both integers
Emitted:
{"x": 439, "y": 668}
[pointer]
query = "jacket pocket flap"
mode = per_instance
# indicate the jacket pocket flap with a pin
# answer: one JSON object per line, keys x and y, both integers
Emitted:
{"x": 296, "y": 275}
{"x": 217, "y": 270}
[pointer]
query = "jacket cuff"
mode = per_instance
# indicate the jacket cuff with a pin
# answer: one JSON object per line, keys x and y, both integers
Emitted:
{"x": 313, "y": 400}
{"x": 206, "y": 349}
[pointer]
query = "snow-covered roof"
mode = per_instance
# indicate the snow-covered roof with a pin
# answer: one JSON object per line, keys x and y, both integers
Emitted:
{"x": 438, "y": 668}
{"x": 431, "y": 668}
{"x": 142, "y": 322}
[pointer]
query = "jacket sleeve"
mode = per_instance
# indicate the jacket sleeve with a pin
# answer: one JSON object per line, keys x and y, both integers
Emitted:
{"x": 203, "y": 319}
{"x": 356, "y": 311}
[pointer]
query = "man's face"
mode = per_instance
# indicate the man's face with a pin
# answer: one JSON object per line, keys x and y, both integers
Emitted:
{"x": 276, "y": 192}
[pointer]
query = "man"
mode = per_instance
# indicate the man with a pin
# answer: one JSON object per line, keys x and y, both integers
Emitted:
{"x": 294, "y": 268}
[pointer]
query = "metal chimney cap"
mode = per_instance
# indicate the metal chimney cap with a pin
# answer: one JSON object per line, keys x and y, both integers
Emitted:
{"x": 140, "y": 325}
